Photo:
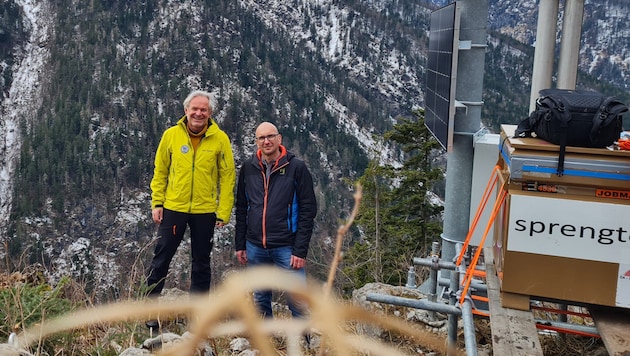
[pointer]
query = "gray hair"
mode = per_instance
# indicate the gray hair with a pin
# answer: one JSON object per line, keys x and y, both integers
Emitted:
{"x": 197, "y": 93}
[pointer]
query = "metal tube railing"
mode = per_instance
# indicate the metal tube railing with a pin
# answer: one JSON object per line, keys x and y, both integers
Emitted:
{"x": 470, "y": 338}
{"x": 414, "y": 303}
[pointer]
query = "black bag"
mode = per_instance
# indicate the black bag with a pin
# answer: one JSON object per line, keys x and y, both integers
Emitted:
{"x": 579, "y": 118}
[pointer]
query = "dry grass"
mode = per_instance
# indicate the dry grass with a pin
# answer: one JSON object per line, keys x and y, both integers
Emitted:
{"x": 228, "y": 311}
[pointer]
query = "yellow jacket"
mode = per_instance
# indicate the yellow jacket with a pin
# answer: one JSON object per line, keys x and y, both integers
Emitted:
{"x": 194, "y": 182}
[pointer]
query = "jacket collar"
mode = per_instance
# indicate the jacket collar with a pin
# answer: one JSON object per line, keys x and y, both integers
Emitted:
{"x": 211, "y": 130}
{"x": 283, "y": 158}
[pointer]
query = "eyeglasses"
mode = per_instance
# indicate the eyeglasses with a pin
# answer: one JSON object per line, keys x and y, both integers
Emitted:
{"x": 271, "y": 137}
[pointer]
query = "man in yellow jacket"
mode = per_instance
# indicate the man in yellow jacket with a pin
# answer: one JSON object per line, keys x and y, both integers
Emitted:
{"x": 192, "y": 185}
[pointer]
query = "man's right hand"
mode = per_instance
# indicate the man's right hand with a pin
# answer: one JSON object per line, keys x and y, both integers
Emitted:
{"x": 242, "y": 256}
{"x": 157, "y": 214}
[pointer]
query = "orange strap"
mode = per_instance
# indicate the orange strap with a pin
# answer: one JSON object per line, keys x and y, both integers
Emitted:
{"x": 470, "y": 270}
{"x": 480, "y": 313}
{"x": 494, "y": 177}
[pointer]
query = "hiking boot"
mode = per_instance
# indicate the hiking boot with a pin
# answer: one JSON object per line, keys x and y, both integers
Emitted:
{"x": 152, "y": 324}
{"x": 307, "y": 339}
{"x": 310, "y": 338}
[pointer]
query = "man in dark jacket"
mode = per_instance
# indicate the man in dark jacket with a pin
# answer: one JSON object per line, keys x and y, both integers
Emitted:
{"x": 275, "y": 212}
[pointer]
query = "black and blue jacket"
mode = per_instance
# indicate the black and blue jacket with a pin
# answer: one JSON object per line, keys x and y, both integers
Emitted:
{"x": 277, "y": 209}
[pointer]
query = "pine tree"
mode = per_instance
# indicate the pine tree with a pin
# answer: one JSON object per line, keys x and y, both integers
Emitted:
{"x": 398, "y": 218}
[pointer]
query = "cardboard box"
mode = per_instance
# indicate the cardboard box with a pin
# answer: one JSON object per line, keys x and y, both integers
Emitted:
{"x": 592, "y": 193}
{"x": 568, "y": 247}
{"x": 532, "y": 159}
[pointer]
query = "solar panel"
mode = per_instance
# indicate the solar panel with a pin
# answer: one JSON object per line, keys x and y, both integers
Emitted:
{"x": 441, "y": 72}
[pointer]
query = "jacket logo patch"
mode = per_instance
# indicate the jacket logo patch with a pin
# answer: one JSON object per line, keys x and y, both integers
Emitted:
{"x": 282, "y": 171}
{"x": 184, "y": 149}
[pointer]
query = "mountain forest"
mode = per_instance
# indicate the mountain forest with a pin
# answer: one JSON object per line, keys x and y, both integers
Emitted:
{"x": 88, "y": 87}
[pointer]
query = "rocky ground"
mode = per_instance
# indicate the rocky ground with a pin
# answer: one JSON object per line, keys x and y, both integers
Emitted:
{"x": 429, "y": 331}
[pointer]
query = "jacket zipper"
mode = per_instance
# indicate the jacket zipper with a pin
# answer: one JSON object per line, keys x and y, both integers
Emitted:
{"x": 264, "y": 212}
{"x": 192, "y": 177}
{"x": 265, "y": 199}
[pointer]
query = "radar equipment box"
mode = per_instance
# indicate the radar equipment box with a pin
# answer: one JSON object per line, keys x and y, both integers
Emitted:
{"x": 562, "y": 238}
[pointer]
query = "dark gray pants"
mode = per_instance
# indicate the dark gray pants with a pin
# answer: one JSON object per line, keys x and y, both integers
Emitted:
{"x": 170, "y": 234}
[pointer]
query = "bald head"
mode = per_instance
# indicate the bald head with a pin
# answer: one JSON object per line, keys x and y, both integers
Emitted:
{"x": 266, "y": 127}
{"x": 268, "y": 140}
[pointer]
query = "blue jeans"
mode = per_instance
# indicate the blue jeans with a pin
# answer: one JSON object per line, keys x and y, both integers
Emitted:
{"x": 280, "y": 257}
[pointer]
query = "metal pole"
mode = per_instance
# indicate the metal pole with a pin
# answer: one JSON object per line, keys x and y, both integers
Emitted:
{"x": 469, "y": 85}
{"x": 428, "y": 262}
{"x": 473, "y": 284}
{"x": 414, "y": 303}
{"x": 433, "y": 275}
{"x": 545, "y": 47}
{"x": 570, "y": 45}
{"x": 467, "y": 317}
{"x": 411, "y": 278}
{"x": 470, "y": 339}
{"x": 568, "y": 326}
{"x": 452, "y": 319}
